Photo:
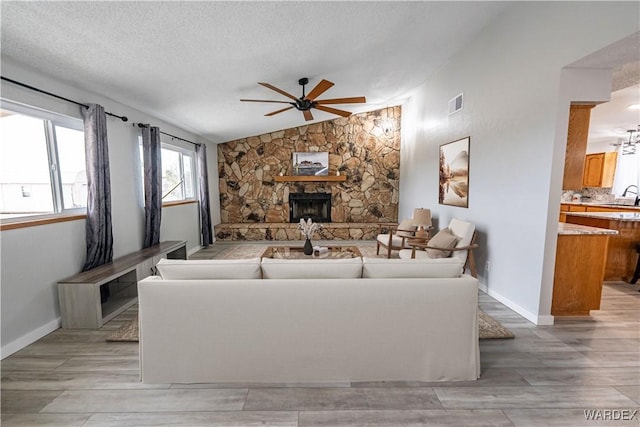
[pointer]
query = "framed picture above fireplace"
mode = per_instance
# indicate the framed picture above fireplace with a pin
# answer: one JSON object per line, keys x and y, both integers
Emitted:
{"x": 311, "y": 164}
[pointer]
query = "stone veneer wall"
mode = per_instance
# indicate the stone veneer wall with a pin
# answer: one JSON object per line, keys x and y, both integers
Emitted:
{"x": 357, "y": 148}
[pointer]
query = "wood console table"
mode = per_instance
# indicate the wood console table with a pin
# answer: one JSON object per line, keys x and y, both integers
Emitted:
{"x": 79, "y": 295}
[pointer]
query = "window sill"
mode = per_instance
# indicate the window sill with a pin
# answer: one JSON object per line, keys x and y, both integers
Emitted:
{"x": 24, "y": 222}
{"x": 178, "y": 203}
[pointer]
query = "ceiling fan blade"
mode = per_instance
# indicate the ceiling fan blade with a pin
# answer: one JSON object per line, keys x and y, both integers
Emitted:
{"x": 352, "y": 100}
{"x": 333, "y": 111}
{"x": 307, "y": 115}
{"x": 320, "y": 88}
{"x": 278, "y": 111}
{"x": 264, "y": 100}
{"x": 280, "y": 91}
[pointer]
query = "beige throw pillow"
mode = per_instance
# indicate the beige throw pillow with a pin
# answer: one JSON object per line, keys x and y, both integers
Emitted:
{"x": 406, "y": 228}
{"x": 443, "y": 239}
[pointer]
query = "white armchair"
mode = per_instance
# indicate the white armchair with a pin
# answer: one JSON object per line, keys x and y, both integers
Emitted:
{"x": 397, "y": 235}
{"x": 461, "y": 246}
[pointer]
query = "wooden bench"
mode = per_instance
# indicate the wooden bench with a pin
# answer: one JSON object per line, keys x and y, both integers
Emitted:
{"x": 81, "y": 305}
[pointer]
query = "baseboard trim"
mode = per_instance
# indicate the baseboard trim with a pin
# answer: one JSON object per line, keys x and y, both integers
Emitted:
{"x": 30, "y": 338}
{"x": 536, "y": 319}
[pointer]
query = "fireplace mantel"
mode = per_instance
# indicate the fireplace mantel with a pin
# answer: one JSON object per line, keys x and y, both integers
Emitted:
{"x": 305, "y": 178}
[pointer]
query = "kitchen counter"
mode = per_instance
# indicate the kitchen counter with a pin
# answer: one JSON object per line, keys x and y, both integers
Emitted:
{"x": 581, "y": 255}
{"x": 577, "y": 229}
{"x": 621, "y": 253}
{"x": 618, "y": 216}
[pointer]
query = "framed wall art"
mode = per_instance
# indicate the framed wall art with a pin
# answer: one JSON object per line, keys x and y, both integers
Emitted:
{"x": 310, "y": 164}
{"x": 454, "y": 173}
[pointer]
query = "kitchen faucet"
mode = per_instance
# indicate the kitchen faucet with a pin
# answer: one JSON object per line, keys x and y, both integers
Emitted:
{"x": 626, "y": 190}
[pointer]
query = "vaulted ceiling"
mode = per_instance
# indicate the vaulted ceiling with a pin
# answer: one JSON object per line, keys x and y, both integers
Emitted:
{"x": 189, "y": 63}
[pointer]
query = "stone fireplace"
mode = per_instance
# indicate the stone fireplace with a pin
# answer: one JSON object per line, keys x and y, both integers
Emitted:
{"x": 361, "y": 189}
{"x": 316, "y": 206}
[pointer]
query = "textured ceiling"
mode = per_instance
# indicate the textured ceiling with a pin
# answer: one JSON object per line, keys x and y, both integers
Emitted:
{"x": 189, "y": 63}
{"x": 611, "y": 120}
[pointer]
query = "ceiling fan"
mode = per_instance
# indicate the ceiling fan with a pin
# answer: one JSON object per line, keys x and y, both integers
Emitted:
{"x": 306, "y": 102}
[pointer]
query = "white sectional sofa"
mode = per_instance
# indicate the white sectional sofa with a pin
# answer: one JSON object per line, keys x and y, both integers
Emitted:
{"x": 308, "y": 321}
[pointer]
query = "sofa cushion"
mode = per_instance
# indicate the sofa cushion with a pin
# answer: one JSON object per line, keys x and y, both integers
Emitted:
{"x": 443, "y": 239}
{"x": 411, "y": 268}
{"x": 177, "y": 269}
{"x": 396, "y": 241}
{"x": 346, "y": 268}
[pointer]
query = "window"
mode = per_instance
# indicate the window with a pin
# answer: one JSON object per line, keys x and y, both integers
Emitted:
{"x": 178, "y": 173}
{"x": 42, "y": 162}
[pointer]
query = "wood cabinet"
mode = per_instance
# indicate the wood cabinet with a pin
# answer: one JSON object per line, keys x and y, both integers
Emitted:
{"x": 579, "y": 270}
{"x": 621, "y": 254}
{"x": 599, "y": 169}
{"x": 564, "y": 208}
{"x": 579, "y": 116}
{"x": 568, "y": 207}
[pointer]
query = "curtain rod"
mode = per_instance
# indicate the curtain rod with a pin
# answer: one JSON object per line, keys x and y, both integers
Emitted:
{"x": 142, "y": 125}
{"x": 123, "y": 118}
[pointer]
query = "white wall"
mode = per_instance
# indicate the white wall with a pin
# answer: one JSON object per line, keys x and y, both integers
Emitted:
{"x": 601, "y": 147}
{"x": 33, "y": 259}
{"x": 510, "y": 76}
{"x": 182, "y": 222}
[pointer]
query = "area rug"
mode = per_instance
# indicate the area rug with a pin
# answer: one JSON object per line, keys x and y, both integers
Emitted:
{"x": 489, "y": 328}
{"x": 126, "y": 333}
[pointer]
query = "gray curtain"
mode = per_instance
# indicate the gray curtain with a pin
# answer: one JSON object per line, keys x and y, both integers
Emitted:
{"x": 205, "y": 207}
{"x": 152, "y": 185}
{"x": 98, "y": 226}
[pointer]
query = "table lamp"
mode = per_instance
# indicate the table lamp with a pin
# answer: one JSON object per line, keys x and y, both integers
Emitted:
{"x": 422, "y": 218}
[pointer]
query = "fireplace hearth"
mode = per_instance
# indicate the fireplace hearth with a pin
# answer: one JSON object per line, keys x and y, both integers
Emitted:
{"x": 316, "y": 206}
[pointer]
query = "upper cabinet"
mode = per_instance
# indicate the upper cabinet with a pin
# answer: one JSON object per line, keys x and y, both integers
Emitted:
{"x": 574, "y": 160}
{"x": 599, "y": 169}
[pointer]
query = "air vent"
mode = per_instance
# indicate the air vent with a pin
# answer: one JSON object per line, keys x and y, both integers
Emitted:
{"x": 455, "y": 104}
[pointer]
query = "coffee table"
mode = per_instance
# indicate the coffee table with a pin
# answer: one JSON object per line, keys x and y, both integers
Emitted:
{"x": 297, "y": 252}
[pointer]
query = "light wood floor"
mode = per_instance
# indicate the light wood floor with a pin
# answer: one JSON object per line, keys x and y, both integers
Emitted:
{"x": 546, "y": 376}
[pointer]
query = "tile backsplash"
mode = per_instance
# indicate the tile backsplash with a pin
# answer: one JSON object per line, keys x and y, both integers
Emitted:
{"x": 590, "y": 194}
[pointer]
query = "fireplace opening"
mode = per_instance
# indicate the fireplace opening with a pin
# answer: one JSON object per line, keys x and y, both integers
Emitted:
{"x": 316, "y": 206}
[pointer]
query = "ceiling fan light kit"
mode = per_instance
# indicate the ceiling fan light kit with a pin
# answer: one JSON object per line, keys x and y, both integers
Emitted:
{"x": 308, "y": 101}
{"x": 629, "y": 147}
